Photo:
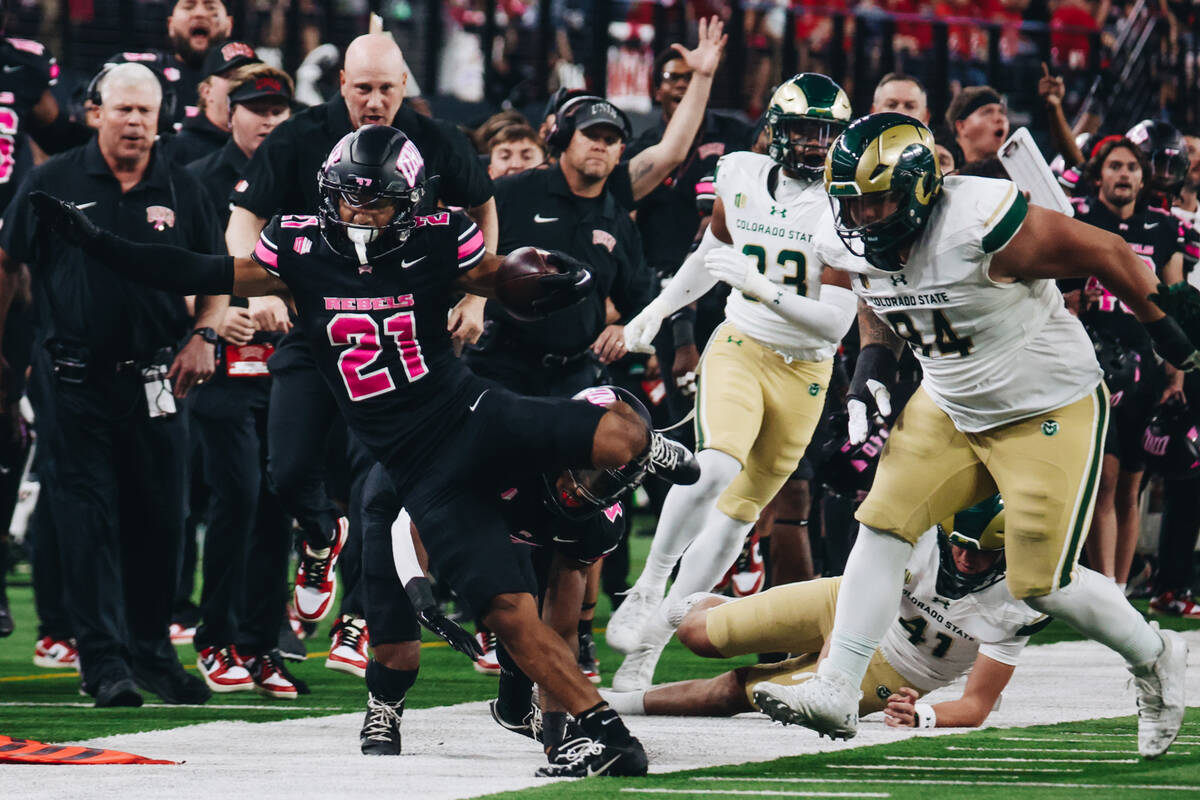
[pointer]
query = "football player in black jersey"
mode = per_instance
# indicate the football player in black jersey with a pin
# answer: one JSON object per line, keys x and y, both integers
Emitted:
{"x": 372, "y": 282}
{"x": 1121, "y": 175}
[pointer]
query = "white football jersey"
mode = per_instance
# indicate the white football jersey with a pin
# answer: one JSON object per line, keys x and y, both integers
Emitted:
{"x": 935, "y": 639}
{"x": 778, "y": 230}
{"x": 992, "y": 353}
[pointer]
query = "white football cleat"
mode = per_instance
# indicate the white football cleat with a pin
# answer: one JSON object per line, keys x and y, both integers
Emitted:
{"x": 637, "y": 670}
{"x": 826, "y": 703}
{"x": 1160, "y": 695}
{"x": 624, "y": 631}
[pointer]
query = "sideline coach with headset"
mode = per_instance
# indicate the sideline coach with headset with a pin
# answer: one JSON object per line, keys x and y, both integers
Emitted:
{"x": 105, "y": 353}
{"x": 569, "y": 207}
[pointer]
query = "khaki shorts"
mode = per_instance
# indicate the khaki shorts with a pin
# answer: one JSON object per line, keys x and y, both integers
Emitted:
{"x": 755, "y": 405}
{"x": 880, "y": 682}
{"x": 1047, "y": 468}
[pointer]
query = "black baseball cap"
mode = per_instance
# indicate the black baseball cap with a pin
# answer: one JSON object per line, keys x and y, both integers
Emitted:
{"x": 262, "y": 86}
{"x": 222, "y": 58}
{"x": 601, "y": 112}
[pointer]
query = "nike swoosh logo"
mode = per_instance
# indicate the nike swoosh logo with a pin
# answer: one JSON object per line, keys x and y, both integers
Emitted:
{"x": 477, "y": 399}
{"x": 540, "y": 218}
{"x": 407, "y": 264}
{"x": 1151, "y": 226}
{"x": 82, "y": 206}
{"x": 12, "y": 67}
{"x": 603, "y": 768}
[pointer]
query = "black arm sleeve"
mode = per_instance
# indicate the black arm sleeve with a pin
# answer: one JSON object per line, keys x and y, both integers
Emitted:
{"x": 163, "y": 266}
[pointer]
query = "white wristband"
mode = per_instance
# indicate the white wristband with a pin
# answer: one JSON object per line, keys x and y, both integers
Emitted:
{"x": 924, "y": 716}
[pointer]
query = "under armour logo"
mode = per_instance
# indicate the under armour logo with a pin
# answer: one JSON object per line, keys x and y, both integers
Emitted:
{"x": 781, "y": 211}
{"x": 899, "y": 279}
{"x": 731, "y": 340}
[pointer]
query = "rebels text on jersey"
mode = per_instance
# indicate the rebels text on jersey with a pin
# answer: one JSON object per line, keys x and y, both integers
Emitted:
{"x": 378, "y": 332}
{"x": 27, "y": 70}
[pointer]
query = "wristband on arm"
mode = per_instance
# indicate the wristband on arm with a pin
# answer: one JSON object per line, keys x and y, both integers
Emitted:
{"x": 924, "y": 716}
{"x": 877, "y": 362}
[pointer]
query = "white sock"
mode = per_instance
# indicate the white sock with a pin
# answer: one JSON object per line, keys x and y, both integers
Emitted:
{"x": 1093, "y": 605}
{"x": 683, "y": 516}
{"x": 867, "y": 601}
{"x": 627, "y": 704}
{"x": 713, "y": 552}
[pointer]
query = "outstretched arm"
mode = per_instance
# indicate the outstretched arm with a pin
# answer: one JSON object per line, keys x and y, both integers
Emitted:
{"x": 985, "y": 683}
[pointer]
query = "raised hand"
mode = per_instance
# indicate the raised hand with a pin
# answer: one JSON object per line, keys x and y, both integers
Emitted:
{"x": 64, "y": 219}
{"x": 1050, "y": 87}
{"x": 707, "y": 54}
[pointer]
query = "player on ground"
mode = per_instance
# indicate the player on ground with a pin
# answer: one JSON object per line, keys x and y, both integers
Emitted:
{"x": 765, "y": 370}
{"x": 372, "y": 282}
{"x": 1011, "y": 400}
{"x": 956, "y": 615}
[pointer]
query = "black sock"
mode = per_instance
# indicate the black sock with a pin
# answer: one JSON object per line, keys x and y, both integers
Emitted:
{"x": 585, "y": 627}
{"x": 389, "y": 685}
{"x": 514, "y": 697}
{"x": 554, "y": 728}
{"x": 603, "y": 724}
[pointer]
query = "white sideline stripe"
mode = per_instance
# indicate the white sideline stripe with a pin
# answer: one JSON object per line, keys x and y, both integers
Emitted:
{"x": 932, "y": 782}
{"x": 1018, "y": 760}
{"x": 953, "y": 769}
{"x": 1046, "y": 750}
{"x": 760, "y": 793}
{"x": 229, "y": 707}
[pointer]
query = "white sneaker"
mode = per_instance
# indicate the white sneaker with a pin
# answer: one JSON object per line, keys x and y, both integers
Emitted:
{"x": 826, "y": 703}
{"x": 624, "y": 631}
{"x": 637, "y": 670}
{"x": 1160, "y": 700}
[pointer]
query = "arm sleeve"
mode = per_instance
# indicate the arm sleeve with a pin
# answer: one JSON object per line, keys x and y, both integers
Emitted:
{"x": 164, "y": 266}
{"x": 692, "y": 280}
{"x": 829, "y": 318}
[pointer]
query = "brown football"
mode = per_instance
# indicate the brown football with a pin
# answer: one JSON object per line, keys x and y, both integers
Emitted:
{"x": 517, "y": 281}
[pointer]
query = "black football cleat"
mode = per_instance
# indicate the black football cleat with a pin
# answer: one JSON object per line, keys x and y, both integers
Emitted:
{"x": 380, "y": 734}
{"x": 530, "y": 725}
{"x": 671, "y": 461}
{"x": 116, "y": 692}
{"x": 586, "y": 758}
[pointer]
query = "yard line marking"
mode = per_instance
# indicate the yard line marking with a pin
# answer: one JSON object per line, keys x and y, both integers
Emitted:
{"x": 1019, "y": 760}
{"x": 228, "y": 707}
{"x": 953, "y": 769}
{"x": 932, "y": 782}
{"x": 1044, "y": 750}
{"x": 760, "y": 793}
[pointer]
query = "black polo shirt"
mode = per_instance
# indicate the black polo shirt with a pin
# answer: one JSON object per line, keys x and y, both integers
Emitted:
{"x": 667, "y": 217}
{"x": 537, "y": 208}
{"x": 179, "y": 80}
{"x": 217, "y": 172}
{"x": 197, "y": 138}
{"x": 83, "y": 303}
{"x": 282, "y": 175}
{"x": 27, "y": 72}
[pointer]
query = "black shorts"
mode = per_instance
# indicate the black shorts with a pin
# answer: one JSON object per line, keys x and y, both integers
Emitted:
{"x": 1127, "y": 422}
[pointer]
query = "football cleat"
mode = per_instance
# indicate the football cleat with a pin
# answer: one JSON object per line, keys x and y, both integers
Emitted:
{"x": 271, "y": 678}
{"x": 584, "y": 758}
{"x": 624, "y": 631}
{"x": 316, "y": 581}
{"x": 589, "y": 665}
{"x": 671, "y": 461}
{"x": 348, "y": 646}
{"x": 530, "y": 725}
{"x": 1169, "y": 604}
{"x": 637, "y": 670}
{"x": 172, "y": 684}
{"x": 223, "y": 671}
{"x": 1160, "y": 695}
{"x": 487, "y": 664}
{"x": 182, "y": 634}
{"x": 826, "y": 703}
{"x": 749, "y": 573}
{"x": 6, "y": 620}
{"x": 380, "y": 734}
{"x": 54, "y": 653}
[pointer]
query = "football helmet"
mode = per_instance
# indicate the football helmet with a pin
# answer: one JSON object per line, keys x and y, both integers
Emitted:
{"x": 1122, "y": 366}
{"x": 805, "y": 108}
{"x": 979, "y": 528}
{"x": 374, "y": 167}
{"x": 1167, "y": 152}
{"x": 579, "y": 493}
{"x": 883, "y": 179}
{"x": 1171, "y": 442}
{"x": 848, "y": 469}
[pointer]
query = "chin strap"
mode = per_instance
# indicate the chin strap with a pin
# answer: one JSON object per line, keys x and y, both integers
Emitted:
{"x": 360, "y": 238}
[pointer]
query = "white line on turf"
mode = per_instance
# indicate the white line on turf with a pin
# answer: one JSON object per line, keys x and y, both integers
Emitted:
{"x": 1046, "y": 750}
{"x": 1017, "y": 760}
{"x": 764, "y": 792}
{"x": 952, "y": 769}
{"x": 933, "y": 782}
{"x": 229, "y": 707}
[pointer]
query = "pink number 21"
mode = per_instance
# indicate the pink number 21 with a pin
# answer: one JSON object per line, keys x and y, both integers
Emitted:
{"x": 361, "y": 331}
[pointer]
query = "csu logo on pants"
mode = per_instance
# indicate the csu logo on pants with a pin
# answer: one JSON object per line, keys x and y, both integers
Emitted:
{"x": 1049, "y": 427}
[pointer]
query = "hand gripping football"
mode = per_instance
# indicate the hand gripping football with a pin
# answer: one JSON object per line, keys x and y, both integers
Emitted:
{"x": 531, "y": 283}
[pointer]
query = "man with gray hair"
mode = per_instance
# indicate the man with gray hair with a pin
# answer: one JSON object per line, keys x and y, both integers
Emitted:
{"x": 110, "y": 358}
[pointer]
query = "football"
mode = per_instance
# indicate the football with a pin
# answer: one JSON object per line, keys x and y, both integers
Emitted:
{"x": 517, "y": 281}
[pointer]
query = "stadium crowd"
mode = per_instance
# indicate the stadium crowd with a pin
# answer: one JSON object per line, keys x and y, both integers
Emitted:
{"x": 180, "y": 424}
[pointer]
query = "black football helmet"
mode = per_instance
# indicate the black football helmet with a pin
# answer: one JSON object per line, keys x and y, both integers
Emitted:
{"x": 1172, "y": 442}
{"x": 373, "y": 167}
{"x": 1166, "y": 150}
{"x": 1122, "y": 366}
{"x": 848, "y": 469}
{"x": 577, "y": 494}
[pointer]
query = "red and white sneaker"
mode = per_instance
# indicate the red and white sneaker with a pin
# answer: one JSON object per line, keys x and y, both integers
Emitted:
{"x": 348, "y": 648}
{"x": 270, "y": 678}
{"x": 1169, "y": 604}
{"x": 487, "y": 664}
{"x": 223, "y": 671}
{"x": 749, "y": 573}
{"x": 294, "y": 622}
{"x": 316, "y": 581}
{"x": 181, "y": 634}
{"x": 54, "y": 653}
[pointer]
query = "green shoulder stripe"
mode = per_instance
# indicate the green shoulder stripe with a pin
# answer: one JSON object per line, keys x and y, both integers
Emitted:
{"x": 1034, "y": 627}
{"x": 1006, "y": 228}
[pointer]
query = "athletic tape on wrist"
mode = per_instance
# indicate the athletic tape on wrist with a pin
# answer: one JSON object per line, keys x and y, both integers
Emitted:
{"x": 924, "y": 716}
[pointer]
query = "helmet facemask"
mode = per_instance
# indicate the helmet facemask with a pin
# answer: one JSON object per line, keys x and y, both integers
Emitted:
{"x": 800, "y": 143}
{"x": 581, "y": 493}
{"x": 364, "y": 242}
{"x": 955, "y": 584}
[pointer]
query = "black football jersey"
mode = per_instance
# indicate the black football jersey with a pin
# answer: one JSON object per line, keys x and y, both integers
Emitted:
{"x": 378, "y": 332}
{"x": 27, "y": 70}
{"x": 530, "y": 522}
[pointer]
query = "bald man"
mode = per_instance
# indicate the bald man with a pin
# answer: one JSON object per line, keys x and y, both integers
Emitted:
{"x": 281, "y": 178}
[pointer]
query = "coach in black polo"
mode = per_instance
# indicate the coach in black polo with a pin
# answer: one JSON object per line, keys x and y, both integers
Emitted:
{"x": 569, "y": 207}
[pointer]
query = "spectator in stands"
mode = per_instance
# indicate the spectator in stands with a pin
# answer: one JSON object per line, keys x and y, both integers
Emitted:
{"x": 903, "y": 94}
{"x": 514, "y": 149}
{"x": 979, "y": 120}
{"x": 492, "y": 125}
{"x": 205, "y": 132}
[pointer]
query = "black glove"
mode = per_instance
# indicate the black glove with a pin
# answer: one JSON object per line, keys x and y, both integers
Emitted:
{"x": 565, "y": 289}
{"x": 64, "y": 219}
{"x": 870, "y": 389}
{"x": 1176, "y": 334}
{"x": 420, "y": 594}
